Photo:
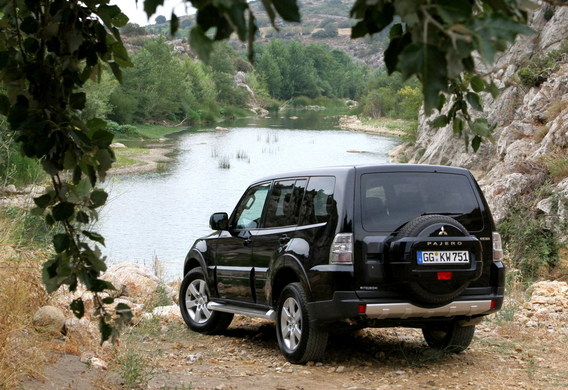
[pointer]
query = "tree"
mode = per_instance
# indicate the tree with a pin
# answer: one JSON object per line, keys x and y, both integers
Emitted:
{"x": 160, "y": 19}
{"x": 50, "y": 48}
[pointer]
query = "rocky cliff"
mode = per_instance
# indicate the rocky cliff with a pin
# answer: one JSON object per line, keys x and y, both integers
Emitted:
{"x": 531, "y": 139}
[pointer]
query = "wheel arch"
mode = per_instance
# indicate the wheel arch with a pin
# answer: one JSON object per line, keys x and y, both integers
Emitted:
{"x": 288, "y": 270}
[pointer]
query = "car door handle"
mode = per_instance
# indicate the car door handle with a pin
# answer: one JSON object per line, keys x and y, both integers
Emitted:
{"x": 284, "y": 239}
{"x": 247, "y": 242}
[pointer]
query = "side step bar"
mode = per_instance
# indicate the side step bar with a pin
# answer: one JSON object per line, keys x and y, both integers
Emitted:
{"x": 245, "y": 311}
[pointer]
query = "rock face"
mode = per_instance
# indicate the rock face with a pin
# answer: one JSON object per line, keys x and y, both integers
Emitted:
{"x": 532, "y": 127}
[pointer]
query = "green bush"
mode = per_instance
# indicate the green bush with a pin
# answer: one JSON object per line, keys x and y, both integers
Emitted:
{"x": 122, "y": 131}
{"x": 539, "y": 68}
{"x": 532, "y": 245}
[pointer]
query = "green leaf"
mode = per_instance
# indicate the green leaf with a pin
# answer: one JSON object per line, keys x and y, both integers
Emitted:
{"x": 102, "y": 138}
{"x": 270, "y": 11}
{"x": 288, "y": 10}
{"x": 63, "y": 211}
{"x": 454, "y": 11}
{"x": 494, "y": 90}
{"x": 439, "y": 121}
{"x": 476, "y": 143}
{"x": 94, "y": 236}
{"x": 174, "y": 24}
{"x": 123, "y": 310}
{"x": 151, "y": 5}
{"x": 78, "y": 307}
{"x": 120, "y": 19}
{"x": 115, "y": 68}
{"x": 96, "y": 124}
{"x": 457, "y": 126}
{"x": 492, "y": 32}
{"x": 201, "y": 43}
{"x": 4, "y": 105}
{"x": 82, "y": 217}
{"x": 429, "y": 64}
{"x": 61, "y": 242}
{"x": 474, "y": 100}
{"x": 477, "y": 84}
{"x": 105, "y": 329}
{"x": 78, "y": 100}
{"x": 44, "y": 201}
{"x": 98, "y": 198}
{"x": 108, "y": 300}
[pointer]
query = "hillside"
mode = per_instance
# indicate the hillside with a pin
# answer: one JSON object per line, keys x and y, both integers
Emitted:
{"x": 323, "y": 22}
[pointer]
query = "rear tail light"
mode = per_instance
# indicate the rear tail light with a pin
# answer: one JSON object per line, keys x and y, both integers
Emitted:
{"x": 341, "y": 251}
{"x": 497, "y": 247}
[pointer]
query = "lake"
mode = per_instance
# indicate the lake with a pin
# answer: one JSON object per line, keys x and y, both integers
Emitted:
{"x": 154, "y": 218}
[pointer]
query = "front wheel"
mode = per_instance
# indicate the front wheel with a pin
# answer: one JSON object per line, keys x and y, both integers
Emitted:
{"x": 193, "y": 298}
{"x": 299, "y": 339}
{"x": 449, "y": 337}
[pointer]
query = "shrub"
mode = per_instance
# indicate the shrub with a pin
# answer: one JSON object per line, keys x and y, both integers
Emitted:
{"x": 532, "y": 245}
{"x": 540, "y": 67}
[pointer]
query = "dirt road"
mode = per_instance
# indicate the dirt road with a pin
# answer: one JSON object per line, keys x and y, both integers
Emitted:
{"x": 246, "y": 356}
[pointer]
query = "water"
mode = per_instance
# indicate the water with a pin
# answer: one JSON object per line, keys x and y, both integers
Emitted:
{"x": 159, "y": 215}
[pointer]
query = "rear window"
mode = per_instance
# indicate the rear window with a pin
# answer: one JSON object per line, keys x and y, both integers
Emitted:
{"x": 389, "y": 200}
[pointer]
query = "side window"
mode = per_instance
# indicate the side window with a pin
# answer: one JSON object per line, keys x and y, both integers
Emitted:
{"x": 318, "y": 205}
{"x": 283, "y": 208}
{"x": 249, "y": 210}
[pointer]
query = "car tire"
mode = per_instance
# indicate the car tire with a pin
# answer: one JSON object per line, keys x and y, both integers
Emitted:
{"x": 449, "y": 336}
{"x": 193, "y": 298}
{"x": 299, "y": 339}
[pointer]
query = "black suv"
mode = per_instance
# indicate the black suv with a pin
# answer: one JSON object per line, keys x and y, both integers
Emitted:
{"x": 359, "y": 246}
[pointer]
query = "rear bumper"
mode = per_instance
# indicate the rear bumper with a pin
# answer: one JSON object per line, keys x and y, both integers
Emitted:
{"x": 408, "y": 310}
{"x": 347, "y": 305}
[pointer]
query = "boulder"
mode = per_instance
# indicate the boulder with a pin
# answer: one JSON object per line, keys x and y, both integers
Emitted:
{"x": 134, "y": 282}
{"x": 131, "y": 280}
{"x": 50, "y": 319}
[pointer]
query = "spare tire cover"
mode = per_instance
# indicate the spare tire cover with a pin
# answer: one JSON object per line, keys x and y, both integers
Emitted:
{"x": 422, "y": 283}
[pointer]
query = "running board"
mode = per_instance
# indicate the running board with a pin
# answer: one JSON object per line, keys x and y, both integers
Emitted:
{"x": 245, "y": 311}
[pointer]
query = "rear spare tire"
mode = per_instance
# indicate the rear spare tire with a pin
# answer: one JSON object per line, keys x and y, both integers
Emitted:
{"x": 446, "y": 244}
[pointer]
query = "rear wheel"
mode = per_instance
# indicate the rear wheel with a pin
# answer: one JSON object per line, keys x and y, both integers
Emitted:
{"x": 449, "y": 336}
{"x": 299, "y": 339}
{"x": 193, "y": 298}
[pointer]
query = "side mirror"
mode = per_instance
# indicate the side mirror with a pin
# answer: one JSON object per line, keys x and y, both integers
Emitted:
{"x": 219, "y": 221}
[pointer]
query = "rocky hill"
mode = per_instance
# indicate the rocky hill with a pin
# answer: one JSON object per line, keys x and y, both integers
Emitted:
{"x": 324, "y": 22}
{"x": 531, "y": 139}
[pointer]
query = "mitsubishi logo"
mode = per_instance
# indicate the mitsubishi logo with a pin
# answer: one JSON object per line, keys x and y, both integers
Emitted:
{"x": 443, "y": 232}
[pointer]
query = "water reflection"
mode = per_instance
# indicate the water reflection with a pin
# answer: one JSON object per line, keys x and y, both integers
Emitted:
{"x": 159, "y": 215}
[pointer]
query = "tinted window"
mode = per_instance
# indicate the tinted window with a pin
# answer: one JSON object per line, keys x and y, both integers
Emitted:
{"x": 249, "y": 209}
{"x": 283, "y": 208}
{"x": 318, "y": 204}
{"x": 389, "y": 200}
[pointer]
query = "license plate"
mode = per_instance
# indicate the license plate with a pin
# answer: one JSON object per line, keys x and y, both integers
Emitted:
{"x": 442, "y": 257}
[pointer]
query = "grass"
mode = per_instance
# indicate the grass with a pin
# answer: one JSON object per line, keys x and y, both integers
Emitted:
{"x": 22, "y": 294}
{"x": 409, "y": 127}
{"x": 224, "y": 162}
{"x": 126, "y": 157}
{"x": 133, "y": 369}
